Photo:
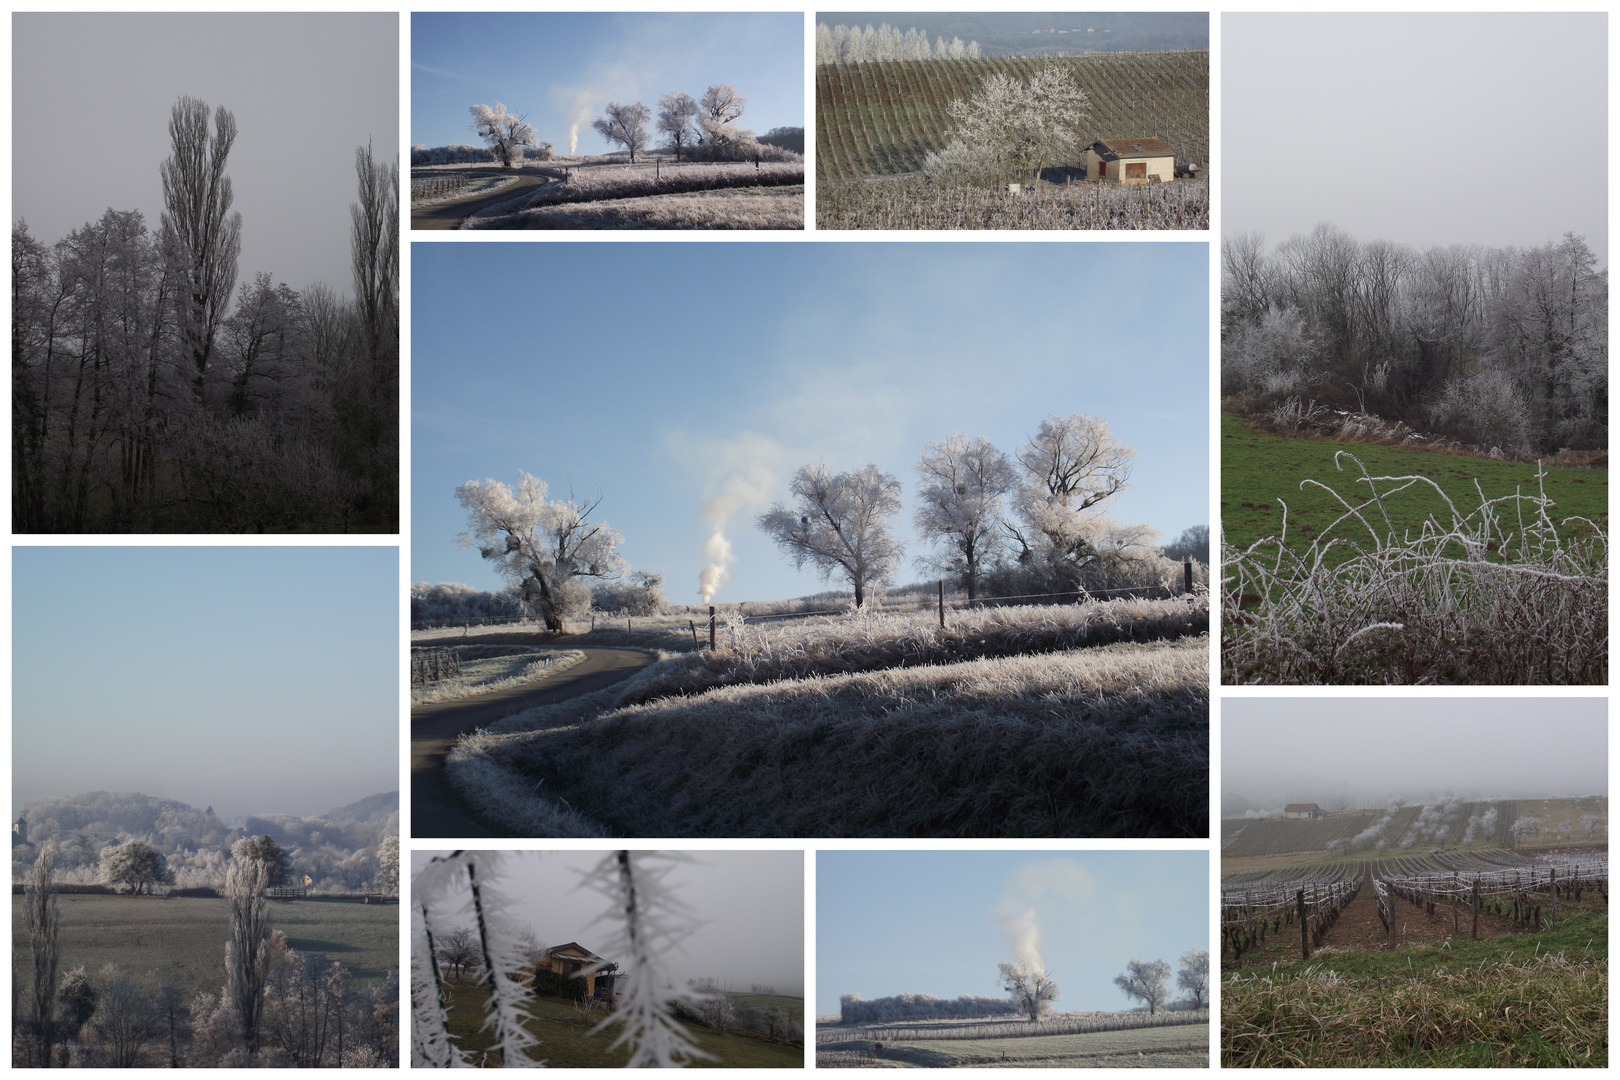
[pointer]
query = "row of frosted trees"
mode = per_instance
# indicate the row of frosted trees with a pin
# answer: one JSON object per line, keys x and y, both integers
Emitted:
{"x": 153, "y": 393}
{"x": 853, "y": 45}
{"x": 1502, "y": 347}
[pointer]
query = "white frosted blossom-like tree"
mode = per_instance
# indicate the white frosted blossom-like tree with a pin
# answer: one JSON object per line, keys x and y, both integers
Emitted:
{"x": 1030, "y": 988}
{"x": 1147, "y": 981}
{"x": 718, "y": 112}
{"x": 962, "y": 483}
{"x": 625, "y": 125}
{"x": 840, "y": 523}
{"x": 503, "y": 132}
{"x": 1193, "y": 975}
{"x": 1010, "y": 130}
{"x": 247, "y": 950}
{"x": 677, "y": 120}
{"x": 541, "y": 545}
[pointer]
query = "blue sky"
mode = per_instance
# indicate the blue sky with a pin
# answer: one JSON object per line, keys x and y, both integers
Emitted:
{"x": 563, "y": 68}
{"x": 666, "y": 375}
{"x": 253, "y": 679}
{"x": 938, "y": 922}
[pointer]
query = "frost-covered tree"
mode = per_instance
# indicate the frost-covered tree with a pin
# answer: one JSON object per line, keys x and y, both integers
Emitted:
{"x": 137, "y": 864}
{"x": 201, "y": 237}
{"x": 388, "y": 863}
{"x": 1070, "y": 466}
{"x": 625, "y": 125}
{"x": 125, "y": 1019}
{"x": 1193, "y": 543}
{"x": 718, "y": 112}
{"x": 539, "y": 544}
{"x": 506, "y": 134}
{"x": 1009, "y": 130}
{"x": 840, "y": 523}
{"x": 458, "y": 950}
{"x": 44, "y": 920}
{"x": 961, "y": 485}
{"x": 677, "y": 120}
{"x": 1031, "y": 989}
{"x": 247, "y": 950}
{"x": 374, "y": 260}
{"x": 1193, "y": 975}
{"x": 267, "y": 853}
{"x": 1146, "y": 981}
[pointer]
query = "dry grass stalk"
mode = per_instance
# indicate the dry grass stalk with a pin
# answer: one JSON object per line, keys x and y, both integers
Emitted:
{"x": 1501, "y": 594}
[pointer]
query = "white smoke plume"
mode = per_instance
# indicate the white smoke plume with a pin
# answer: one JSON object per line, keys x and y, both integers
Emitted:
{"x": 1035, "y": 886}
{"x": 745, "y": 470}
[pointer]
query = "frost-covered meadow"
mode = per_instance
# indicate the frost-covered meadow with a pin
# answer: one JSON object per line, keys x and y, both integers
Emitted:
{"x": 1078, "y": 720}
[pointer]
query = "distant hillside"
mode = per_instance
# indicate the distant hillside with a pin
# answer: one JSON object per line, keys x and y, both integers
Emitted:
{"x": 883, "y": 118}
{"x": 337, "y": 849}
{"x": 369, "y": 809}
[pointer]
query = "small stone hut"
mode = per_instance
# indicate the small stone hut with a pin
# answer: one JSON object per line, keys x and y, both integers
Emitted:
{"x": 1130, "y": 161}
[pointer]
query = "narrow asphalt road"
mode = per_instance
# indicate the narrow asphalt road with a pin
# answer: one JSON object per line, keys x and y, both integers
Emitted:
{"x": 436, "y": 810}
{"x": 450, "y": 215}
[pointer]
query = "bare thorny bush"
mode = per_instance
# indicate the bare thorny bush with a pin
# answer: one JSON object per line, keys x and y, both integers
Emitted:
{"x": 1495, "y": 595}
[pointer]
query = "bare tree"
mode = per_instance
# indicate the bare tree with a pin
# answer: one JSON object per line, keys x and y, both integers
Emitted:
{"x": 1032, "y": 990}
{"x": 458, "y": 950}
{"x": 505, "y": 133}
{"x": 124, "y": 1021}
{"x": 247, "y": 952}
{"x": 961, "y": 485}
{"x": 374, "y": 254}
{"x": 1193, "y": 975}
{"x": 625, "y": 125}
{"x": 539, "y": 544}
{"x": 44, "y": 931}
{"x": 840, "y": 523}
{"x": 677, "y": 119}
{"x": 1146, "y": 981}
{"x": 200, "y": 234}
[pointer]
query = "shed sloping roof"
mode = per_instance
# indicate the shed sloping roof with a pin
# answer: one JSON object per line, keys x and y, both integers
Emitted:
{"x": 1114, "y": 149}
{"x": 1300, "y": 808}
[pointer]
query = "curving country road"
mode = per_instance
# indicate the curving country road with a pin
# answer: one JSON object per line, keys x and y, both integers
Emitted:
{"x": 450, "y": 215}
{"x": 436, "y": 810}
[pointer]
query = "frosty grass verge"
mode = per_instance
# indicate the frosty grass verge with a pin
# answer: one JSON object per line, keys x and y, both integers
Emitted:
{"x": 1107, "y": 741}
{"x": 1501, "y": 594}
{"x": 489, "y": 668}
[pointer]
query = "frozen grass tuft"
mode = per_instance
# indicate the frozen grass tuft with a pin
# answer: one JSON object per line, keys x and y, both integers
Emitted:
{"x": 1110, "y": 741}
{"x": 1544, "y": 1010}
{"x": 911, "y": 202}
{"x": 869, "y": 640}
{"x": 737, "y": 208}
{"x": 1500, "y": 594}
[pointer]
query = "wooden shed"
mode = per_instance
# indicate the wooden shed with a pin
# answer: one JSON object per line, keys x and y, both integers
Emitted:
{"x": 1130, "y": 161}
{"x": 1302, "y": 810}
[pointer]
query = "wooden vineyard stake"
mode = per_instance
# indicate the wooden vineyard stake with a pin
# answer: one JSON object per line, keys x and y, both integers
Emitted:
{"x": 1304, "y": 928}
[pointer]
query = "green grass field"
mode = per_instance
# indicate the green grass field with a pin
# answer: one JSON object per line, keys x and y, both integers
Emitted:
{"x": 1260, "y": 471}
{"x": 566, "y": 1040}
{"x": 1538, "y": 999}
{"x": 181, "y": 940}
{"x": 883, "y": 118}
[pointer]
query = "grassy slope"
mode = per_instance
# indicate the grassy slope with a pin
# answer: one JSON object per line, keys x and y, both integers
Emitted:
{"x": 883, "y": 118}
{"x": 1096, "y": 742}
{"x": 1524, "y": 999}
{"x": 181, "y": 941}
{"x": 1259, "y": 469}
{"x": 566, "y": 1042}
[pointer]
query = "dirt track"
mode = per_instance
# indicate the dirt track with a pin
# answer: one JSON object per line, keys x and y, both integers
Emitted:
{"x": 450, "y": 215}
{"x": 436, "y": 810}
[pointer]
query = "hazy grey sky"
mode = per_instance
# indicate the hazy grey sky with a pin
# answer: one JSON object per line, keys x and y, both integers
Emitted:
{"x": 91, "y": 95}
{"x": 1311, "y": 749}
{"x": 258, "y": 680}
{"x": 750, "y": 905}
{"x": 1428, "y": 129}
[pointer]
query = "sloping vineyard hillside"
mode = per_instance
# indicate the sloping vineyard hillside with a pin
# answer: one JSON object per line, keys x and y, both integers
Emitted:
{"x": 883, "y": 117}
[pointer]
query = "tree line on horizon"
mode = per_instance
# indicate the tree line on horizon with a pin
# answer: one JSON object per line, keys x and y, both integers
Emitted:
{"x": 152, "y": 392}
